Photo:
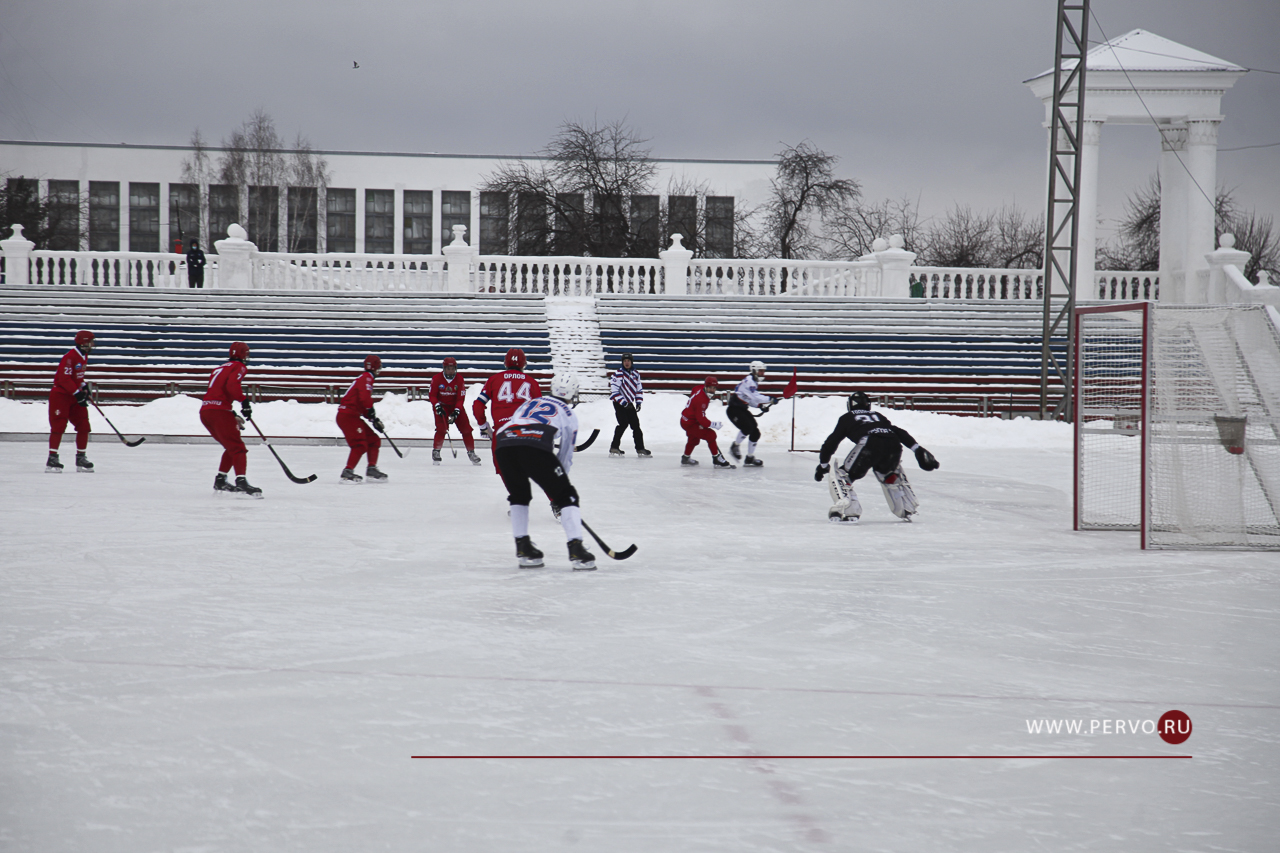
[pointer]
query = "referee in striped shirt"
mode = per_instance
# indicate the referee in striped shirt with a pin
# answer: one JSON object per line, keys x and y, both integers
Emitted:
{"x": 627, "y": 393}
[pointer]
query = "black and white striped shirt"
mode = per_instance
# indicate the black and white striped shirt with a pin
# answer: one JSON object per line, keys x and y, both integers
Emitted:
{"x": 625, "y": 387}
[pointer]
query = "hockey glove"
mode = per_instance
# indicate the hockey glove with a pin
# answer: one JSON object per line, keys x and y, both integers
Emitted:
{"x": 453, "y": 416}
{"x": 82, "y": 396}
{"x": 439, "y": 409}
{"x": 370, "y": 414}
{"x": 638, "y": 404}
{"x": 926, "y": 460}
{"x": 484, "y": 431}
{"x": 717, "y": 425}
{"x": 246, "y": 410}
{"x": 821, "y": 471}
{"x": 767, "y": 406}
{"x": 239, "y": 422}
{"x": 377, "y": 424}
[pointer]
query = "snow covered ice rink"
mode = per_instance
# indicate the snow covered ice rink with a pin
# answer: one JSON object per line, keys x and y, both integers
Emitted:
{"x": 189, "y": 673}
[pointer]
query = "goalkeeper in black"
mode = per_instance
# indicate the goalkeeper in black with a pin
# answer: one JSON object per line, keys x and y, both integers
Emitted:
{"x": 877, "y": 447}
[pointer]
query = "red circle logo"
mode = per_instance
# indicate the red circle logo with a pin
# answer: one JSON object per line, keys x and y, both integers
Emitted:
{"x": 1174, "y": 727}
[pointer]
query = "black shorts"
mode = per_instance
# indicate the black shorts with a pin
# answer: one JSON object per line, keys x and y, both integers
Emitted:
{"x": 740, "y": 417}
{"x": 521, "y": 463}
{"x": 882, "y": 452}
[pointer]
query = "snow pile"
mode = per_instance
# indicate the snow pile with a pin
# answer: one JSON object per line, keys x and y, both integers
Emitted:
{"x": 659, "y": 417}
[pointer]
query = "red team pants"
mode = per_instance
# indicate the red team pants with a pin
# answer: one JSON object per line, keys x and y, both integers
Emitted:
{"x": 699, "y": 433}
{"x": 464, "y": 427}
{"x": 360, "y": 438}
{"x": 62, "y": 408}
{"x": 221, "y": 424}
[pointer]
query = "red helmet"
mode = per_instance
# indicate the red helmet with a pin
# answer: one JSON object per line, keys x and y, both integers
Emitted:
{"x": 515, "y": 358}
{"x": 372, "y": 363}
{"x": 84, "y": 337}
{"x": 711, "y": 380}
{"x": 239, "y": 351}
{"x": 450, "y": 365}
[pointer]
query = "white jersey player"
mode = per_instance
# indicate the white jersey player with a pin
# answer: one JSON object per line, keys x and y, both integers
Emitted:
{"x": 536, "y": 443}
{"x": 747, "y": 394}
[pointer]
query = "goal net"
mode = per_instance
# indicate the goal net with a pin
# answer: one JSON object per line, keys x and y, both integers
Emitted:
{"x": 1178, "y": 424}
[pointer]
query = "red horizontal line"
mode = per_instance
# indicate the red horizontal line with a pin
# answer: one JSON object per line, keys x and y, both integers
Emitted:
{"x": 779, "y": 757}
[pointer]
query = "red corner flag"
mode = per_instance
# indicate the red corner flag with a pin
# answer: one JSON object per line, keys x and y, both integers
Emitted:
{"x": 790, "y": 390}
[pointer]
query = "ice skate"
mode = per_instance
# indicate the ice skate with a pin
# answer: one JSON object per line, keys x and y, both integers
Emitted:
{"x": 735, "y": 451}
{"x": 83, "y": 465}
{"x": 643, "y": 454}
{"x": 617, "y": 451}
{"x": 751, "y": 462}
{"x": 220, "y": 484}
{"x": 846, "y": 510}
{"x": 350, "y": 477}
{"x": 373, "y": 475}
{"x": 435, "y": 456}
{"x": 243, "y": 487}
{"x": 580, "y": 558}
{"x": 720, "y": 462}
{"x": 686, "y": 460}
{"x": 474, "y": 457}
{"x": 528, "y": 554}
{"x": 52, "y": 465}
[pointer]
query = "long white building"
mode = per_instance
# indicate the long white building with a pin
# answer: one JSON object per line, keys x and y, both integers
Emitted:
{"x": 375, "y": 202}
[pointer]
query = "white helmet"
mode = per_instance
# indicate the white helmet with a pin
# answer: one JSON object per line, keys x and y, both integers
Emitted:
{"x": 565, "y": 387}
{"x": 757, "y": 368}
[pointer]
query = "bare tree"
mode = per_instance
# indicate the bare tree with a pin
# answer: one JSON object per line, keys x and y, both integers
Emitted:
{"x": 853, "y": 230}
{"x": 577, "y": 200}
{"x": 1004, "y": 239}
{"x": 805, "y": 188}
{"x": 197, "y": 170}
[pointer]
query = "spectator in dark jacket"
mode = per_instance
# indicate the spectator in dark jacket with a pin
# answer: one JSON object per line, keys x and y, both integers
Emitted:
{"x": 195, "y": 265}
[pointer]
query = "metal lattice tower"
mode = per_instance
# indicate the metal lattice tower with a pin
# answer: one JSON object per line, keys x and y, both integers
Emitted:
{"x": 1062, "y": 219}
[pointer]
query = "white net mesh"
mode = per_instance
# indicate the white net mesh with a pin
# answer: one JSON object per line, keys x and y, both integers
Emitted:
{"x": 1109, "y": 391}
{"x": 1213, "y": 453}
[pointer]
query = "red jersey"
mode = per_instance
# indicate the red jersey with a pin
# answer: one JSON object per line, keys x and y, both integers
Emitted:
{"x": 359, "y": 397}
{"x": 450, "y": 393}
{"x": 70, "y": 372}
{"x": 508, "y": 390}
{"x": 695, "y": 411}
{"x": 224, "y": 386}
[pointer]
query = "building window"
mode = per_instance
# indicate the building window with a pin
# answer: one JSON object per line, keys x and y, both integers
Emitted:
{"x": 719, "y": 226}
{"x": 144, "y": 217}
{"x": 184, "y": 216}
{"x": 64, "y": 215}
{"x": 379, "y": 221}
{"x": 455, "y": 209}
{"x": 340, "y": 228}
{"x": 495, "y": 217}
{"x": 682, "y": 219}
{"x": 224, "y": 211}
{"x": 531, "y": 224}
{"x": 104, "y": 216}
{"x": 264, "y": 218}
{"x": 303, "y": 223}
{"x": 417, "y": 222}
{"x": 569, "y": 237}
{"x": 646, "y": 241}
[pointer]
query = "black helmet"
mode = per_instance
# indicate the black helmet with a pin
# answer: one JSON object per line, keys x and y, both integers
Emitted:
{"x": 859, "y": 402}
{"x": 626, "y": 356}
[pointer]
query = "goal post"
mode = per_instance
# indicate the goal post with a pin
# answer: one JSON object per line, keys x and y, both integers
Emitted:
{"x": 1177, "y": 424}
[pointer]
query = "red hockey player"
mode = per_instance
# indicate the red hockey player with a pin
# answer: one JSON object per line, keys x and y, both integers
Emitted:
{"x": 357, "y": 403}
{"x": 693, "y": 420}
{"x": 69, "y": 401}
{"x": 508, "y": 390}
{"x": 448, "y": 393}
{"x": 224, "y": 424}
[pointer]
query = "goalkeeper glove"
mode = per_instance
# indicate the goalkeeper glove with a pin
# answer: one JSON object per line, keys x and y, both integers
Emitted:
{"x": 926, "y": 460}
{"x": 821, "y": 471}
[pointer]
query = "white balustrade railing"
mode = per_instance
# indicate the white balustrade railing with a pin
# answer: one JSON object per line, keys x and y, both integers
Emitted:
{"x": 347, "y": 272}
{"x": 566, "y": 276}
{"x": 114, "y": 269}
{"x": 1116, "y": 286}
{"x": 976, "y": 283}
{"x": 784, "y": 278}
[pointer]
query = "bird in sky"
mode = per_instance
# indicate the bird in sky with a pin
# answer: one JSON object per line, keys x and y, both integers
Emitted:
{"x": 355, "y": 64}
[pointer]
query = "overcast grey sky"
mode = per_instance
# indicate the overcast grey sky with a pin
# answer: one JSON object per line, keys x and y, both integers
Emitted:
{"x": 919, "y": 98}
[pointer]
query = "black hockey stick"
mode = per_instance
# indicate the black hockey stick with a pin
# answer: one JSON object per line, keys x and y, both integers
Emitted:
{"x": 287, "y": 472}
{"x": 126, "y": 441}
{"x": 581, "y": 447}
{"x": 617, "y": 555}
{"x": 389, "y": 441}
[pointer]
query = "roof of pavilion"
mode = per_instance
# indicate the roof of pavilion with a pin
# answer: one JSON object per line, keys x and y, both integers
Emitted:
{"x": 1141, "y": 50}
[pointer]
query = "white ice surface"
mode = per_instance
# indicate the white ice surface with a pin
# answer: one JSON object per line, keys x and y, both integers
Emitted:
{"x": 183, "y": 673}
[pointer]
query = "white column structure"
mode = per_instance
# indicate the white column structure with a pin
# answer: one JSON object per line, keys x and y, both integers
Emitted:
{"x": 1134, "y": 79}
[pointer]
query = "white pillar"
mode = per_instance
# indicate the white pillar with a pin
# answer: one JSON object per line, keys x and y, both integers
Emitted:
{"x": 1226, "y": 253}
{"x": 458, "y": 256}
{"x": 1173, "y": 212}
{"x": 895, "y": 269}
{"x": 1087, "y": 201}
{"x": 17, "y": 257}
{"x": 675, "y": 265}
{"x": 1201, "y": 159}
{"x": 436, "y": 222}
{"x": 360, "y": 192}
{"x": 397, "y": 220}
{"x": 235, "y": 260}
